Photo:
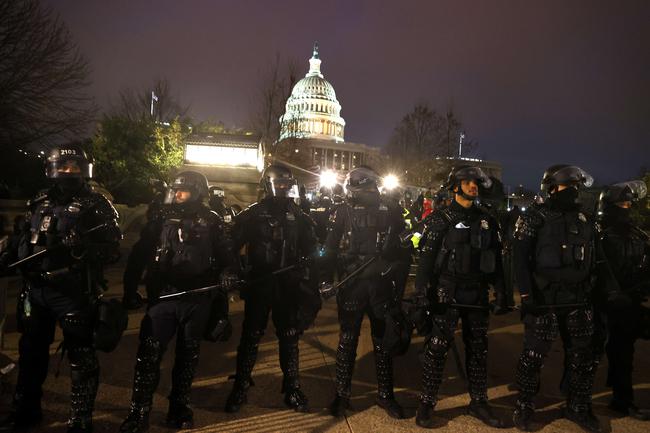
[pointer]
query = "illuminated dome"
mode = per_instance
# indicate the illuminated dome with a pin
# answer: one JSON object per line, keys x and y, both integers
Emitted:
{"x": 312, "y": 110}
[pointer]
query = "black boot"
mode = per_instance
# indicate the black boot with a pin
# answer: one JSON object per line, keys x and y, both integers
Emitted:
{"x": 179, "y": 414}
{"x": 339, "y": 405}
{"x": 246, "y": 357}
{"x": 522, "y": 417}
{"x": 84, "y": 375}
{"x": 294, "y": 398}
{"x": 481, "y": 410}
{"x": 346, "y": 354}
{"x": 585, "y": 419}
{"x": 147, "y": 375}
{"x": 629, "y": 409}
{"x": 424, "y": 415}
{"x": 385, "y": 396}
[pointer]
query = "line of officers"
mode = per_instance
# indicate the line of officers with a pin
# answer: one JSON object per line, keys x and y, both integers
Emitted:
{"x": 579, "y": 280}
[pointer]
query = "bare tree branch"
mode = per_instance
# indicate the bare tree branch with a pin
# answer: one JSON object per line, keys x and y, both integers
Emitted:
{"x": 43, "y": 77}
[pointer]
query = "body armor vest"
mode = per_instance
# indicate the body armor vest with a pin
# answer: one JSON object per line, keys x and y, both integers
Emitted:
{"x": 564, "y": 251}
{"x": 368, "y": 228}
{"x": 185, "y": 251}
{"x": 275, "y": 244}
{"x": 469, "y": 248}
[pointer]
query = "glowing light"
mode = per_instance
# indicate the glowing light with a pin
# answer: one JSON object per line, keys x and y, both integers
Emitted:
{"x": 221, "y": 155}
{"x": 390, "y": 182}
{"x": 328, "y": 178}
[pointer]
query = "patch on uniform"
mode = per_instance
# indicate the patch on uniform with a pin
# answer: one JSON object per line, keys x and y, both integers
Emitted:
{"x": 485, "y": 225}
{"x": 359, "y": 207}
{"x": 45, "y": 223}
{"x": 227, "y": 218}
{"x": 461, "y": 225}
{"x": 383, "y": 207}
{"x": 582, "y": 217}
{"x": 74, "y": 207}
{"x": 321, "y": 209}
{"x": 290, "y": 216}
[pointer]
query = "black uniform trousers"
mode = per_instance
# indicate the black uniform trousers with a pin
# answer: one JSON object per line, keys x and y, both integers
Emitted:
{"x": 369, "y": 295}
{"x": 623, "y": 331}
{"x": 47, "y": 306}
{"x": 474, "y": 328}
{"x": 576, "y": 328}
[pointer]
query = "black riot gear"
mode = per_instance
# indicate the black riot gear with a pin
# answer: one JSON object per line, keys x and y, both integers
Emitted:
{"x": 459, "y": 258}
{"x": 627, "y": 250}
{"x": 192, "y": 250}
{"x": 76, "y": 234}
{"x": 194, "y": 182}
{"x": 556, "y": 258}
{"x": 278, "y": 181}
{"x": 564, "y": 174}
{"x": 368, "y": 229}
{"x": 279, "y": 241}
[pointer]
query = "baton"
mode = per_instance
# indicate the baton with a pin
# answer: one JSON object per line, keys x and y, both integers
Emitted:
{"x": 328, "y": 293}
{"x": 189, "y": 292}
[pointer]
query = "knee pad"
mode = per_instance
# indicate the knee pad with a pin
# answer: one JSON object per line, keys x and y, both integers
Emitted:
{"x": 580, "y": 323}
{"x": 546, "y": 327}
{"x": 83, "y": 363}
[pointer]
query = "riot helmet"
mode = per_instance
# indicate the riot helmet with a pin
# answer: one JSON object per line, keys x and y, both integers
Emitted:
{"x": 361, "y": 179}
{"x": 278, "y": 181}
{"x": 467, "y": 172}
{"x": 564, "y": 174}
{"x": 190, "y": 181}
{"x": 338, "y": 193}
{"x": 68, "y": 162}
{"x": 632, "y": 191}
{"x": 217, "y": 192}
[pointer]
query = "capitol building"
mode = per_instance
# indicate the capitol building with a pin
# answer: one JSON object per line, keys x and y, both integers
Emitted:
{"x": 313, "y": 131}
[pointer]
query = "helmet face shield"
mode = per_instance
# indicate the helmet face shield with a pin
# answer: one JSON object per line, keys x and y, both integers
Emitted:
{"x": 283, "y": 187}
{"x": 631, "y": 191}
{"x": 569, "y": 175}
{"x": 469, "y": 173}
{"x": 361, "y": 179}
{"x": 68, "y": 162}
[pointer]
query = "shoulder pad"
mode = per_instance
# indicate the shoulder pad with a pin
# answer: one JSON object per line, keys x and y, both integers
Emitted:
{"x": 39, "y": 198}
{"x": 437, "y": 221}
{"x": 528, "y": 223}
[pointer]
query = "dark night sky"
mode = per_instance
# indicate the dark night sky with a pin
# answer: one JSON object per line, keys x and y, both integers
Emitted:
{"x": 535, "y": 82}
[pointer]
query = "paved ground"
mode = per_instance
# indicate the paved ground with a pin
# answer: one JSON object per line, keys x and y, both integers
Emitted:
{"x": 265, "y": 411}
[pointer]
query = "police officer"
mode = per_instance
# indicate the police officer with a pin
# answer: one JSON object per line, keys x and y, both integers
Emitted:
{"x": 75, "y": 231}
{"x": 369, "y": 228}
{"x": 143, "y": 250}
{"x": 554, "y": 257}
{"x": 278, "y": 241}
{"x": 459, "y": 258}
{"x": 191, "y": 253}
{"x": 627, "y": 250}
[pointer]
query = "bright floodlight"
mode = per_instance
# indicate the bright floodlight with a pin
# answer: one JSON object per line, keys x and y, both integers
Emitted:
{"x": 328, "y": 178}
{"x": 390, "y": 182}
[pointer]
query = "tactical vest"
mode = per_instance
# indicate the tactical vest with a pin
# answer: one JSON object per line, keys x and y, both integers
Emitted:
{"x": 564, "y": 251}
{"x": 276, "y": 241}
{"x": 368, "y": 228}
{"x": 185, "y": 249}
{"x": 469, "y": 247}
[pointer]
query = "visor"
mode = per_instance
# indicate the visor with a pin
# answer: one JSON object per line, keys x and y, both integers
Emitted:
{"x": 284, "y": 187}
{"x": 474, "y": 173}
{"x": 633, "y": 190}
{"x": 570, "y": 175}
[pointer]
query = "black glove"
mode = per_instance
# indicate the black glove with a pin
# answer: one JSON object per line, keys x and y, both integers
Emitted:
{"x": 229, "y": 280}
{"x": 327, "y": 290}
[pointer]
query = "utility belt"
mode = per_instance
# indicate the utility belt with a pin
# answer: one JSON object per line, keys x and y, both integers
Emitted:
{"x": 451, "y": 290}
{"x": 557, "y": 292}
